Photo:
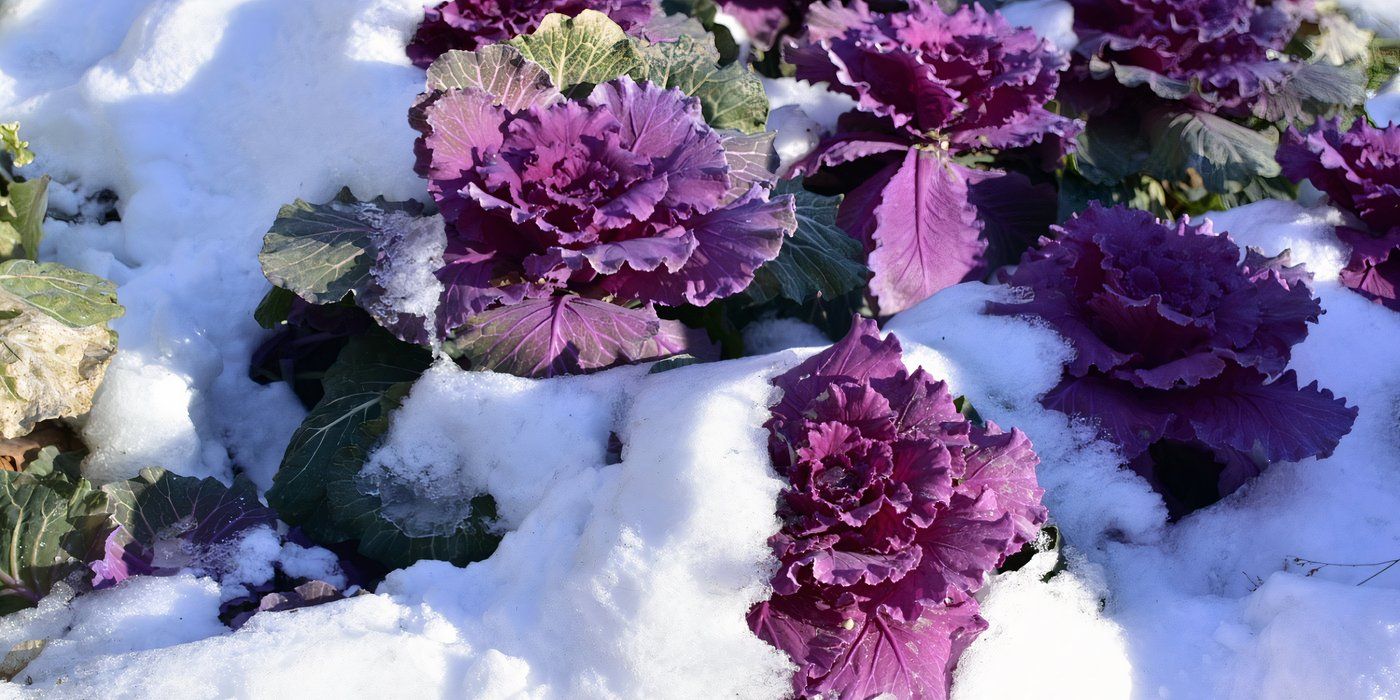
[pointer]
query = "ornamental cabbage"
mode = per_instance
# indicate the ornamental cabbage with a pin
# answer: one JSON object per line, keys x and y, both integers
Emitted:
{"x": 585, "y": 214}
{"x": 931, "y": 89}
{"x": 1359, "y": 169}
{"x": 1181, "y": 347}
{"x": 471, "y": 24}
{"x": 1218, "y": 56}
{"x": 896, "y": 507}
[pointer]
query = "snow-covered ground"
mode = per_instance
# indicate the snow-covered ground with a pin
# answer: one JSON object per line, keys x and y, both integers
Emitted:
{"x": 627, "y": 579}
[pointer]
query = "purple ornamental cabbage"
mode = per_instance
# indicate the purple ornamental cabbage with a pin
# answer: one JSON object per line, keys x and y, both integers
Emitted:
{"x": 166, "y": 522}
{"x": 1219, "y": 56}
{"x": 471, "y": 24}
{"x": 1180, "y": 347}
{"x": 896, "y": 508}
{"x": 586, "y": 214}
{"x": 930, "y": 88}
{"x": 1359, "y": 169}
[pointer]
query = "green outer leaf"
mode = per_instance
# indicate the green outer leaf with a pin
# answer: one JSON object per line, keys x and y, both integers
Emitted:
{"x": 579, "y": 52}
{"x": 676, "y": 362}
{"x": 49, "y": 526}
{"x": 1383, "y": 64}
{"x": 359, "y": 514}
{"x": 158, "y": 500}
{"x": 366, "y": 368}
{"x": 499, "y": 70}
{"x": 819, "y": 260}
{"x": 31, "y": 198}
{"x": 1224, "y": 154}
{"x": 731, "y": 97}
{"x": 74, "y": 298}
{"x": 1313, "y": 90}
{"x": 22, "y": 220}
{"x": 324, "y": 251}
{"x": 11, "y": 146}
{"x": 273, "y": 309}
{"x": 1110, "y": 150}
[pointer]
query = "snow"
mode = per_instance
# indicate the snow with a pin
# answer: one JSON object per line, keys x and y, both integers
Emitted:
{"x": 774, "y": 334}
{"x": 410, "y": 253}
{"x": 1380, "y": 16}
{"x": 1384, "y": 106}
{"x": 1049, "y": 19}
{"x": 204, "y": 116}
{"x": 628, "y": 579}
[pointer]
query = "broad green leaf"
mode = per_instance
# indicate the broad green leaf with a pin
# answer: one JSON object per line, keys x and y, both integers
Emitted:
{"x": 159, "y": 504}
{"x": 731, "y": 97}
{"x": 12, "y": 147}
{"x": 24, "y": 217}
{"x": 366, "y": 368}
{"x": 324, "y": 251}
{"x": 1383, "y": 64}
{"x": 273, "y": 309}
{"x": 499, "y": 70}
{"x": 360, "y": 511}
{"x": 818, "y": 260}
{"x": 579, "y": 52}
{"x": 1134, "y": 76}
{"x": 1313, "y": 90}
{"x": 74, "y": 298}
{"x": 1110, "y": 150}
{"x": 49, "y": 525}
{"x": 1222, "y": 153}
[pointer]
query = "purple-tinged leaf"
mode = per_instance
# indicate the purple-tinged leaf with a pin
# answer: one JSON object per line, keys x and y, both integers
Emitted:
{"x": 927, "y": 236}
{"x": 559, "y": 335}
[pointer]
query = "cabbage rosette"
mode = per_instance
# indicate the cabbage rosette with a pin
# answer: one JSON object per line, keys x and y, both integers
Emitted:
{"x": 1181, "y": 344}
{"x": 896, "y": 507}
{"x": 932, "y": 90}
{"x": 1359, "y": 170}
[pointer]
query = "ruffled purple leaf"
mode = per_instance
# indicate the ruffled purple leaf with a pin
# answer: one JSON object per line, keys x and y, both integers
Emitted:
{"x": 1214, "y": 55}
{"x": 1180, "y": 337}
{"x": 968, "y": 77}
{"x": 627, "y": 194}
{"x": 1359, "y": 170}
{"x": 561, "y": 335}
{"x": 1278, "y": 419}
{"x": 895, "y": 510}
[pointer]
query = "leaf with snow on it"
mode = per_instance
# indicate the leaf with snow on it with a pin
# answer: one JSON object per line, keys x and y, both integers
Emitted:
{"x": 324, "y": 251}
{"x": 354, "y": 386}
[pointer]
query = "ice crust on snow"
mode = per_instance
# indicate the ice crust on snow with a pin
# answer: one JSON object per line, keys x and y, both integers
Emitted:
{"x": 410, "y": 251}
{"x": 627, "y": 579}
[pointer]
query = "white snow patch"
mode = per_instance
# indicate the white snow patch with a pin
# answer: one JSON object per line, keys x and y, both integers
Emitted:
{"x": 1049, "y": 19}
{"x": 1380, "y": 16}
{"x": 203, "y": 116}
{"x": 774, "y": 334}
{"x": 1384, "y": 106}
